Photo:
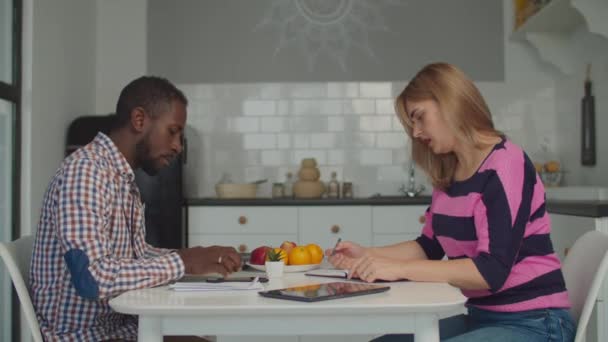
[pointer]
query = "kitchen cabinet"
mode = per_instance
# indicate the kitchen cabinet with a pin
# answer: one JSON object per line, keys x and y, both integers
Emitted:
{"x": 323, "y": 225}
{"x": 247, "y": 227}
{"x": 244, "y": 228}
{"x": 392, "y": 224}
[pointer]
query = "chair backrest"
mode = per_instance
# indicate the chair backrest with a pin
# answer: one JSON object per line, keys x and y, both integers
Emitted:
{"x": 584, "y": 270}
{"x": 17, "y": 256}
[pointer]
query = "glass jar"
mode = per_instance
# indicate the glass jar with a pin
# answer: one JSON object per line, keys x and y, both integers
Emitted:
{"x": 278, "y": 190}
{"x": 347, "y": 190}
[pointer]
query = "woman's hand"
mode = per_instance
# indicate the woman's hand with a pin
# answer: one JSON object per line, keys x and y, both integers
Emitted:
{"x": 371, "y": 268}
{"x": 346, "y": 253}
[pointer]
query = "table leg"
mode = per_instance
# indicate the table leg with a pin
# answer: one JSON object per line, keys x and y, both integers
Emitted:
{"x": 427, "y": 328}
{"x": 149, "y": 329}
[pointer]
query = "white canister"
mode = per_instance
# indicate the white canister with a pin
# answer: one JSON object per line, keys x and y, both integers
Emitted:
{"x": 274, "y": 269}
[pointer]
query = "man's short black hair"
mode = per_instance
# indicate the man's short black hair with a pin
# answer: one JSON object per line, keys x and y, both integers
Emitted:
{"x": 154, "y": 94}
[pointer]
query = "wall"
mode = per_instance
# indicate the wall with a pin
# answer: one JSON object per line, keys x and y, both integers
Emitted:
{"x": 237, "y": 41}
{"x": 120, "y": 39}
{"x": 262, "y": 130}
{"x": 61, "y": 87}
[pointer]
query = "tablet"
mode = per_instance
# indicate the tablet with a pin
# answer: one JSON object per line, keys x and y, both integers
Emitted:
{"x": 319, "y": 292}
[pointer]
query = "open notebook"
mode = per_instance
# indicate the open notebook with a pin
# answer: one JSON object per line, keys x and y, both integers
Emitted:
{"x": 328, "y": 272}
{"x": 337, "y": 273}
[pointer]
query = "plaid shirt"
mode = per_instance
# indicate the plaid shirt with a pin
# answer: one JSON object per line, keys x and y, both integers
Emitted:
{"x": 90, "y": 247}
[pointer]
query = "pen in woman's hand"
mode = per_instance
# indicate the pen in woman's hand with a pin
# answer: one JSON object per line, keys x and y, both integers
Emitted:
{"x": 333, "y": 251}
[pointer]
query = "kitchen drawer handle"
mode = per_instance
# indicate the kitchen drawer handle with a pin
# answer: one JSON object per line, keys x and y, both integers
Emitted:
{"x": 242, "y": 248}
{"x": 335, "y": 229}
{"x": 243, "y": 219}
{"x": 422, "y": 219}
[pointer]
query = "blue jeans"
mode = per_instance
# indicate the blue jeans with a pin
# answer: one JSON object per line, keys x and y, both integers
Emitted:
{"x": 546, "y": 325}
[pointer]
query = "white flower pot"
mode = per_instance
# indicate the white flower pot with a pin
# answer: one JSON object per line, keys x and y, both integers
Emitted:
{"x": 274, "y": 269}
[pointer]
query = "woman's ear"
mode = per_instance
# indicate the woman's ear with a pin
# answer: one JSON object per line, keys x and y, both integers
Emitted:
{"x": 138, "y": 119}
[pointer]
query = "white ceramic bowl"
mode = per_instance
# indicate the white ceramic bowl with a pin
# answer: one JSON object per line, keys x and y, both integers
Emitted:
{"x": 235, "y": 190}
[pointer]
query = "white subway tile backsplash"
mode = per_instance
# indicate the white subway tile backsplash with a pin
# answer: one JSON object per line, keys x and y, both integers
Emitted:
{"x": 307, "y": 90}
{"x": 301, "y": 141}
{"x": 331, "y": 107}
{"x": 343, "y": 90}
{"x": 264, "y": 130}
{"x": 259, "y": 141}
{"x": 254, "y": 107}
{"x": 306, "y": 107}
{"x": 283, "y": 141}
{"x": 273, "y": 158}
{"x": 283, "y": 107}
{"x": 375, "y": 123}
{"x": 364, "y": 139}
{"x": 360, "y": 107}
{"x": 270, "y": 91}
{"x": 390, "y": 174}
{"x": 385, "y": 106}
{"x": 273, "y": 124}
{"x": 391, "y": 140}
{"x": 335, "y": 157}
{"x": 376, "y": 157}
{"x": 375, "y": 89}
{"x": 396, "y": 125}
{"x": 335, "y": 124}
{"x": 243, "y": 124}
{"x": 322, "y": 140}
{"x": 319, "y": 155}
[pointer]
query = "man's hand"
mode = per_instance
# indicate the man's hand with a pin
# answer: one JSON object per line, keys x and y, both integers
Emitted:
{"x": 214, "y": 259}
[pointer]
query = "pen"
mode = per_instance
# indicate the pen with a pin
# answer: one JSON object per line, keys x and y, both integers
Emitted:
{"x": 333, "y": 251}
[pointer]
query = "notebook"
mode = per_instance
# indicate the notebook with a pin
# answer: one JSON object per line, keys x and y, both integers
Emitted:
{"x": 201, "y": 283}
{"x": 327, "y": 291}
{"x": 328, "y": 272}
{"x": 337, "y": 273}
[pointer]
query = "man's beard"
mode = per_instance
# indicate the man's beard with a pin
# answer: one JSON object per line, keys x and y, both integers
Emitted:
{"x": 142, "y": 154}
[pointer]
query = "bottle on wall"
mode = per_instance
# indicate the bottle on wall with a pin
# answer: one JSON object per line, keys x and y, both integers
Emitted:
{"x": 288, "y": 187}
{"x": 588, "y": 153}
{"x": 333, "y": 187}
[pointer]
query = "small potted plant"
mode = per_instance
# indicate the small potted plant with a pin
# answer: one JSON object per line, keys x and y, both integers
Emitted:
{"x": 276, "y": 258}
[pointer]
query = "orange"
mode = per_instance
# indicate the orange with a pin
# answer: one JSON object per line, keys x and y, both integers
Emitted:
{"x": 299, "y": 256}
{"x": 282, "y": 254}
{"x": 316, "y": 253}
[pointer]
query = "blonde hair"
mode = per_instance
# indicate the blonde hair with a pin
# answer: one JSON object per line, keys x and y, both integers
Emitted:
{"x": 461, "y": 106}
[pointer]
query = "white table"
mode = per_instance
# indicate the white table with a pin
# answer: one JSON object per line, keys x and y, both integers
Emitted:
{"x": 408, "y": 307}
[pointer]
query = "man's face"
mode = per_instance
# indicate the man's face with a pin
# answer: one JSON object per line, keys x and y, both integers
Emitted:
{"x": 162, "y": 141}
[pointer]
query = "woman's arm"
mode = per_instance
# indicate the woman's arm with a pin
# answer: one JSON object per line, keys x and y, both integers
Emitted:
{"x": 461, "y": 273}
{"x": 402, "y": 251}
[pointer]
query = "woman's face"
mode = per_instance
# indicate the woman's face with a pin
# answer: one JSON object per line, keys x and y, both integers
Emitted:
{"x": 429, "y": 127}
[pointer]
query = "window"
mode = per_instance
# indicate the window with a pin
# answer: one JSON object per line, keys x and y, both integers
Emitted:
{"x": 10, "y": 129}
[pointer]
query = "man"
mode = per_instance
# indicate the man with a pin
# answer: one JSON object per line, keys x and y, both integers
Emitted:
{"x": 90, "y": 243}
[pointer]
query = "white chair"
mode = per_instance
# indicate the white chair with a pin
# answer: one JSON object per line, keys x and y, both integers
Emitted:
{"x": 16, "y": 256}
{"x": 584, "y": 270}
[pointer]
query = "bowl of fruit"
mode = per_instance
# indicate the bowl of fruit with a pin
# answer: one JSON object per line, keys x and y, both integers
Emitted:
{"x": 297, "y": 258}
{"x": 550, "y": 172}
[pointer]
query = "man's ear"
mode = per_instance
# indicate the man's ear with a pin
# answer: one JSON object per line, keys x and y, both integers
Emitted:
{"x": 138, "y": 119}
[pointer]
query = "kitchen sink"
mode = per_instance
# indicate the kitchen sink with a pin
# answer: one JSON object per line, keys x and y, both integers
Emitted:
{"x": 577, "y": 193}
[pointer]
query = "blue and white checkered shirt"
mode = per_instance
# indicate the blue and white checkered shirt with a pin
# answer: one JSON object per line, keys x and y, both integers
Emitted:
{"x": 90, "y": 247}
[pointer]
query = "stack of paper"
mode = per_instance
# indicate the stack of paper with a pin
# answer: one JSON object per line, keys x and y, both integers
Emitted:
{"x": 225, "y": 286}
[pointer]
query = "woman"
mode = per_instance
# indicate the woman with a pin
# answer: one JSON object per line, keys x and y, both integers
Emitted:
{"x": 487, "y": 215}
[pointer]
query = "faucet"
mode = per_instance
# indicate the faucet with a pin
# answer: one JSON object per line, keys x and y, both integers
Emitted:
{"x": 411, "y": 190}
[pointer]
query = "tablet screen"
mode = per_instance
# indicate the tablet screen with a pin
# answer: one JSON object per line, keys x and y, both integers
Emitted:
{"x": 317, "y": 292}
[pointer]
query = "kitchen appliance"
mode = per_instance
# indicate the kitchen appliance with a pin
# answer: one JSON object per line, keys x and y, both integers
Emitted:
{"x": 162, "y": 193}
